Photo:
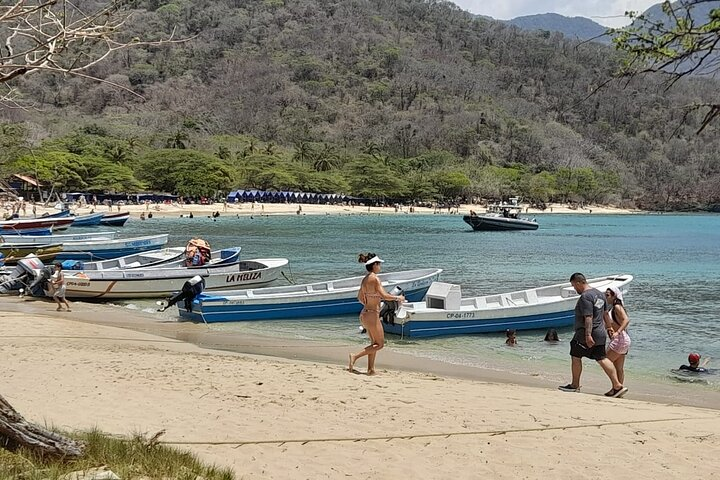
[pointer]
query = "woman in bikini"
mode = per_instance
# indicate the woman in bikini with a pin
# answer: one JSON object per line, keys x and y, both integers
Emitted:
{"x": 370, "y": 295}
{"x": 617, "y": 322}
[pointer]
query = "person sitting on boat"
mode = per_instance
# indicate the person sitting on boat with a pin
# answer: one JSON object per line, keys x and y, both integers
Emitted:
{"x": 370, "y": 295}
{"x": 694, "y": 361}
{"x": 472, "y": 213}
{"x": 197, "y": 252}
{"x": 511, "y": 340}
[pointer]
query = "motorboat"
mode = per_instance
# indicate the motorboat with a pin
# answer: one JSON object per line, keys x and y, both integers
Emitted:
{"x": 333, "y": 297}
{"x": 445, "y": 312}
{"x": 501, "y": 216}
{"x": 108, "y": 249}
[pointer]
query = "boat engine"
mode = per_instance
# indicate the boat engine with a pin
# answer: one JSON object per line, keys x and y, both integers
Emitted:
{"x": 389, "y": 309}
{"x": 190, "y": 289}
{"x": 23, "y": 274}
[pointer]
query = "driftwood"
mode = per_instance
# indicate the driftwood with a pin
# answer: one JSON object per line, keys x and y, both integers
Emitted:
{"x": 16, "y": 432}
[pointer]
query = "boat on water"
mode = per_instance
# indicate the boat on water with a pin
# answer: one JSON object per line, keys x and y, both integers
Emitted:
{"x": 445, "y": 312}
{"x": 60, "y": 238}
{"x": 107, "y": 249}
{"x": 13, "y": 252}
{"x": 115, "y": 219}
{"x": 334, "y": 297}
{"x": 89, "y": 220}
{"x": 162, "y": 282}
{"x": 501, "y": 216}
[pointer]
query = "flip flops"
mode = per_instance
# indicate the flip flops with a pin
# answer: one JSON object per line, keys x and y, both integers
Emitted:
{"x": 617, "y": 393}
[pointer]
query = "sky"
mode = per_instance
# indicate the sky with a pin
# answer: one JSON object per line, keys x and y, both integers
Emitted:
{"x": 605, "y": 12}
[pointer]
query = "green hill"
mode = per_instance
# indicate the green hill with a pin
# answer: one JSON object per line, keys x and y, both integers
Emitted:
{"x": 580, "y": 28}
{"x": 405, "y": 99}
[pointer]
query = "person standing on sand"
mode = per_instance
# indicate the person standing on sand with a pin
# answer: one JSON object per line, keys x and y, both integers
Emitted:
{"x": 617, "y": 321}
{"x": 370, "y": 295}
{"x": 589, "y": 339}
{"x": 58, "y": 283}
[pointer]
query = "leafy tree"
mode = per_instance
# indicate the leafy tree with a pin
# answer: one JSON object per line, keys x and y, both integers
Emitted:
{"x": 682, "y": 41}
{"x": 450, "y": 184}
{"x": 185, "y": 172}
{"x": 372, "y": 179}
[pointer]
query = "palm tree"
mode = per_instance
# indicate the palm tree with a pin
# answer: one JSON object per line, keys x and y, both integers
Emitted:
{"x": 325, "y": 159}
{"x": 303, "y": 152}
{"x": 178, "y": 140}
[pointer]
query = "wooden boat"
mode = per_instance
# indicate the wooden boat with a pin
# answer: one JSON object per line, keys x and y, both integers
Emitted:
{"x": 60, "y": 238}
{"x": 445, "y": 312}
{"x": 335, "y": 297}
{"x": 107, "y": 249}
{"x": 500, "y": 217}
{"x": 115, "y": 219}
{"x": 13, "y": 252}
{"x": 161, "y": 282}
{"x": 88, "y": 220}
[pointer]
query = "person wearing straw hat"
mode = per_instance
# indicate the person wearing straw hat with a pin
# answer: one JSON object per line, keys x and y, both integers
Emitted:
{"x": 370, "y": 295}
{"x": 617, "y": 321}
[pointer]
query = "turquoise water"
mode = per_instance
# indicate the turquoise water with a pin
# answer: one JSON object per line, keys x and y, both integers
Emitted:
{"x": 672, "y": 303}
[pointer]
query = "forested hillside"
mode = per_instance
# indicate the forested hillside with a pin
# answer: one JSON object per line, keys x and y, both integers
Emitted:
{"x": 573, "y": 27}
{"x": 379, "y": 98}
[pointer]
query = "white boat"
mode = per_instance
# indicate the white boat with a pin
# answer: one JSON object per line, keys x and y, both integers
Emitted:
{"x": 335, "y": 297}
{"x": 445, "y": 312}
{"x": 162, "y": 282}
{"x": 151, "y": 258}
{"x": 501, "y": 217}
{"x": 107, "y": 249}
{"x": 55, "y": 239}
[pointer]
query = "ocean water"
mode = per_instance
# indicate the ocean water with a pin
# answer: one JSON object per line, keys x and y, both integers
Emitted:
{"x": 672, "y": 303}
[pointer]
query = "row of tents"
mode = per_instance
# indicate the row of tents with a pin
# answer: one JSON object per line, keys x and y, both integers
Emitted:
{"x": 282, "y": 197}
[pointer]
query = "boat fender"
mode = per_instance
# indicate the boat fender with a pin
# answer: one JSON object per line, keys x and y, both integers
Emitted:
{"x": 389, "y": 309}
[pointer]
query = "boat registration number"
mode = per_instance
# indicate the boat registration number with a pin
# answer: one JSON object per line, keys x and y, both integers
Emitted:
{"x": 461, "y": 315}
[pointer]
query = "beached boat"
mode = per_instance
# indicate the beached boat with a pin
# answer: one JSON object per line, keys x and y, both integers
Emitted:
{"x": 445, "y": 312}
{"x": 56, "y": 223}
{"x": 162, "y": 282}
{"x": 501, "y": 216}
{"x": 115, "y": 219}
{"x": 88, "y": 220}
{"x": 173, "y": 257}
{"x": 151, "y": 258}
{"x": 28, "y": 232}
{"x": 335, "y": 297}
{"x": 107, "y": 249}
{"x": 61, "y": 238}
{"x": 13, "y": 252}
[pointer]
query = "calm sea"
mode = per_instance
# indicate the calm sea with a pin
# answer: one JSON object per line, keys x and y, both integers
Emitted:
{"x": 672, "y": 302}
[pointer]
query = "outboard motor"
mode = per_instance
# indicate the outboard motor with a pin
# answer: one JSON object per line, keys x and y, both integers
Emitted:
{"x": 388, "y": 309}
{"x": 24, "y": 272}
{"x": 190, "y": 289}
{"x": 40, "y": 286}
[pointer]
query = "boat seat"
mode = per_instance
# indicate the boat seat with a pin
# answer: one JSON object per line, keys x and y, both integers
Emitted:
{"x": 133, "y": 264}
{"x": 568, "y": 292}
{"x": 330, "y": 286}
{"x": 480, "y": 302}
{"x": 309, "y": 289}
{"x": 531, "y": 297}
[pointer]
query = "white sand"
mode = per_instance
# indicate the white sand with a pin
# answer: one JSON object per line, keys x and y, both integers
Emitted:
{"x": 279, "y": 419}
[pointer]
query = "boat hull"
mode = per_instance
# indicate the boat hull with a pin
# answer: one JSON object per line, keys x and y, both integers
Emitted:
{"x": 87, "y": 220}
{"x": 14, "y": 253}
{"x": 158, "y": 283}
{"x": 109, "y": 249}
{"x": 545, "y": 307}
{"x": 211, "y": 308}
{"x": 491, "y": 223}
{"x": 115, "y": 219}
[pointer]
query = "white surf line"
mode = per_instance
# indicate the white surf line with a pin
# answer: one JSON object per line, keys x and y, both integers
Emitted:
{"x": 431, "y": 435}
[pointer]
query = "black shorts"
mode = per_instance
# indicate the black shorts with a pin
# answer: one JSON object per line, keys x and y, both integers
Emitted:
{"x": 579, "y": 350}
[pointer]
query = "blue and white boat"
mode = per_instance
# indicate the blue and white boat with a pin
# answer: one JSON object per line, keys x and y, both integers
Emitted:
{"x": 445, "y": 312}
{"x": 88, "y": 220}
{"x": 28, "y": 232}
{"x": 335, "y": 297}
{"x": 115, "y": 219}
{"x": 107, "y": 249}
{"x": 61, "y": 238}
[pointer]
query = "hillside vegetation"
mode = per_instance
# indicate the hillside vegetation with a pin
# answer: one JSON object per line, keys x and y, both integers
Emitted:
{"x": 401, "y": 99}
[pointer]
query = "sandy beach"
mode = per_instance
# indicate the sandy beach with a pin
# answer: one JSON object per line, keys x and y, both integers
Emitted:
{"x": 233, "y": 209}
{"x": 305, "y": 416}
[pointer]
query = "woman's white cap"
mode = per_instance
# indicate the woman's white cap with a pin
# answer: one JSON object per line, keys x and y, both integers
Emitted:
{"x": 375, "y": 259}
{"x": 616, "y": 291}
